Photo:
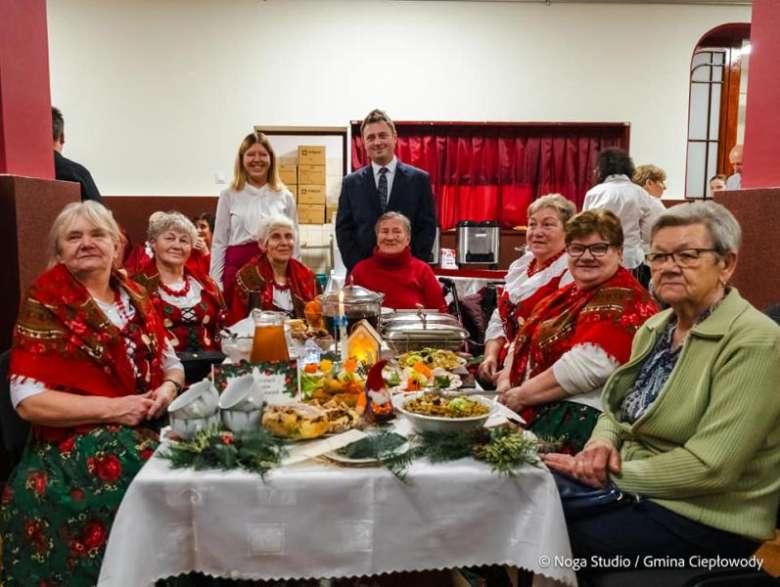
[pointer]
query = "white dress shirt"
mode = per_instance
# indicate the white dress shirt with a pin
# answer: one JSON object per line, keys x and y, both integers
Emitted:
{"x": 636, "y": 209}
{"x": 390, "y": 175}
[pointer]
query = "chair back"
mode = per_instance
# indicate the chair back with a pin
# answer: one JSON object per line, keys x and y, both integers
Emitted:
{"x": 15, "y": 430}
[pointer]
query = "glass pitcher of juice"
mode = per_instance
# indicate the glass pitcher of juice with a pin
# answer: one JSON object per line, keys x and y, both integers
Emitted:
{"x": 269, "y": 343}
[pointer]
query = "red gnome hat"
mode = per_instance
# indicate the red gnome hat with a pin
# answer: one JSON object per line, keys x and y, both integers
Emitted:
{"x": 374, "y": 380}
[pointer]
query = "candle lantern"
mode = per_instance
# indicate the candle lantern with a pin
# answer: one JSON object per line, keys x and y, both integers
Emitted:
{"x": 364, "y": 343}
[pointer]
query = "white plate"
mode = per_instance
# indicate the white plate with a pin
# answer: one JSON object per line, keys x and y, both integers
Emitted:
{"x": 334, "y": 456}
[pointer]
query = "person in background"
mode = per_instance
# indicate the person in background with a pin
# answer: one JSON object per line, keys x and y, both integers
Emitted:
{"x": 92, "y": 369}
{"x": 636, "y": 209}
{"x": 67, "y": 170}
{"x": 204, "y": 224}
{"x": 539, "y": 272}
{"x": 652, "y": 178}
{"x": 405, "y": 281}
{"x": 273, "y": 279}
{"x": 576, "y": 337}
{"x": 187, "y": 300}
{"x": 256, "y": 193}
{"x": 385, "y": 185}
{"x": 734, "y": 181}
{"x": 718, "y": 183}
{"x": 690, "y": 433}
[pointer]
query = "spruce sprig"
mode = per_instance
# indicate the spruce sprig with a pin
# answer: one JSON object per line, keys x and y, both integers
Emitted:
{"x": 256, "y": 451}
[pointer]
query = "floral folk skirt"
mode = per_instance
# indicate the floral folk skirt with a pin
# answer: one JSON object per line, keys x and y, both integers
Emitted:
{"x": 564, "y": 426}
{"x": 60, "y": 502}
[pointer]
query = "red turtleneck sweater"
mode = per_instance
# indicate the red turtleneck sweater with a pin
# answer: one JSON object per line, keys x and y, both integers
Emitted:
{"x": 405, "y": 280}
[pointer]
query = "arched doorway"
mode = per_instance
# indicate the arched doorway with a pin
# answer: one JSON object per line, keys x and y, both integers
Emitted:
{"x": 716, "y": 113}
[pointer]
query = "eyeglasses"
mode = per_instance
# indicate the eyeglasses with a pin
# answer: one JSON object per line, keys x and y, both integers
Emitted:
{"x": 681, "y": 258}
{"x": 596, "y": 249}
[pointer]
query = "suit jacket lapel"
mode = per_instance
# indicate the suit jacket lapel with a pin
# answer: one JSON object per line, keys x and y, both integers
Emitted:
{"x": 399, "y": 186}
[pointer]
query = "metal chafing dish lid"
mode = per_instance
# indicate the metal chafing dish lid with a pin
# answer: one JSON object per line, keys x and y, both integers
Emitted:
{"x": 413, "y": 319}
{"x": 422, "y": 325}
{"x": 353, "y": 294}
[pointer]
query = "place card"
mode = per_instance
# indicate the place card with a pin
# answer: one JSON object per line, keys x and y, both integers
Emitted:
{"x": 278, "y": 380}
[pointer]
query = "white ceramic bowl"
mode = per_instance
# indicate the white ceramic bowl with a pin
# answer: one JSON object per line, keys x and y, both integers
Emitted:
{"x": 240, "y": 421}
{"x": 242, "y": 394}
{"x": 441, "y": 424}
{"x": 199, "y": 401}
{"x": 237, "y": 349}
{"x": 187, "y": 428}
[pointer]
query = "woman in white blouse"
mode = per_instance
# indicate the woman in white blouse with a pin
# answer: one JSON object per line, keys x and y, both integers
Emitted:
{"x": 256, "y": 192}
{"x": 636, "y": 209}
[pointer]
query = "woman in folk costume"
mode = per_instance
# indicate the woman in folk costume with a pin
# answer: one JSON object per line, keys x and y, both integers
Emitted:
{"x": 92, "y": 370}
{"x": 274, "y": 280}
{"x": 578, "y": 336}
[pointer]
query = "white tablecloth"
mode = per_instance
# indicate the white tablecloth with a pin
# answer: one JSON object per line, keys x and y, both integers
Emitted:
{"x": 314, "y": 520}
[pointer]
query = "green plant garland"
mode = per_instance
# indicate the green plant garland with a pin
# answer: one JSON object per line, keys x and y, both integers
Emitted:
{"x": 257, "y": 451}
{"x": 504, "y": 448}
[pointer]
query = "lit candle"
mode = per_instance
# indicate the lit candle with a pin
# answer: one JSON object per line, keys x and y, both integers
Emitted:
{"x": 343, "y": 338}
{"x": 341, "y": 303}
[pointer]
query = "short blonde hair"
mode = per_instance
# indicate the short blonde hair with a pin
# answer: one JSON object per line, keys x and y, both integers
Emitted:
{"x": 650, "y": 172}
{"x": 565, "y": 208}
{"x": 95, "y": 213}
{"x": 268, "y": 224}
{"x": 161, "y": 222}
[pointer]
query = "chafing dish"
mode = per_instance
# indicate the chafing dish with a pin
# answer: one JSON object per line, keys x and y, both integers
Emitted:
{"x": 357, "y": 303}
{"x": 406, "y": 331}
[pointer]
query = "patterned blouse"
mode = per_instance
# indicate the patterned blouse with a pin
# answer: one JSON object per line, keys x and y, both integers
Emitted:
{"x": 655, "y": 372}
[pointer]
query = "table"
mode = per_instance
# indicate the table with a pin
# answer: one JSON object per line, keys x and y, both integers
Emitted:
{"x": 314, "y": 520}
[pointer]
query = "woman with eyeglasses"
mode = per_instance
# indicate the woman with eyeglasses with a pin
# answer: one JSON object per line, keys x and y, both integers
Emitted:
{"x": 535, "y": 275}
{"x": 635, "y": 207}
{"x": 690, "y": 434}
{"x": 576, "y": 337}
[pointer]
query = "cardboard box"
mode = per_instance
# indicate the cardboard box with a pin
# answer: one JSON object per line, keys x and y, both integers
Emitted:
{"x": 311, "y": 155}
{"x": 311, "y": 194}
{"x": 330, "y": 213}
{"x": 311, "y": 175}
{"x": 288, "y": 173}
{"x": 311, "y": 214}
{"x": 293, "y": 190}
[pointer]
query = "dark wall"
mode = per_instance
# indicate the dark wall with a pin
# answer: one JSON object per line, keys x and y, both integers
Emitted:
{"x": 28, "y": 208}
{"x": 132, "y": 212}
{"x": 758, "y": 269}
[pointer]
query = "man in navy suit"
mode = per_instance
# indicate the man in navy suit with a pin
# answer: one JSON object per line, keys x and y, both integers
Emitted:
{"x": 385, "y": 185}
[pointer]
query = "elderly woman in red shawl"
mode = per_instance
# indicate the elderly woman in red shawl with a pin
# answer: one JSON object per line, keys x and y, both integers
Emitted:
{"x": 91, "y": 369}
{"x": 576, "y": 337}
{"x": 274, "y": 280}
{"x": 187, "y": 299}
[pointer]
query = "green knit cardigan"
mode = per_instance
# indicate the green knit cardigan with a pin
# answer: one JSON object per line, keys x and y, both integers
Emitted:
{"x": 709, "y": 446}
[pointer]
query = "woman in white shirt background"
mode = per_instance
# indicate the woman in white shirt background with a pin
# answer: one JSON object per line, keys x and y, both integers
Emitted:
{"x": 636, "y": 209}
{"x": 256, "y": 192}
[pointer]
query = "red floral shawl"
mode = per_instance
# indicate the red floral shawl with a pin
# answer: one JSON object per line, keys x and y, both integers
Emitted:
{"x": 211, "y": 299}
{"x": 257, "y": 277}
{"x": 64, "y": 340}
{"x": 607, "y": 316}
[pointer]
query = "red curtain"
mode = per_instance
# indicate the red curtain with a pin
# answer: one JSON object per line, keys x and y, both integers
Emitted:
{"x": 494, "y": 171}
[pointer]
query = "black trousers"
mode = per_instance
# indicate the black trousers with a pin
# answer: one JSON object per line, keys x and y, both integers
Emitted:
{"x": 638, "y": 532}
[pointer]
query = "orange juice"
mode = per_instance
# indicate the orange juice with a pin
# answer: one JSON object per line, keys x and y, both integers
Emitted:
{"x": 269, "y": 345}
